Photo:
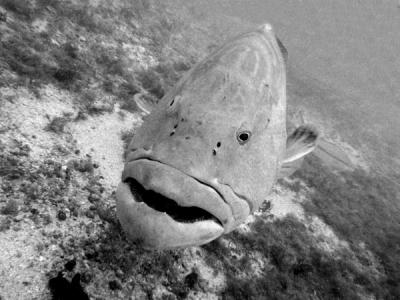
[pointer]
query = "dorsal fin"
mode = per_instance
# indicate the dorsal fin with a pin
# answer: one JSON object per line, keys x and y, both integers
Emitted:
{"x": 301, "y": 142}
{"x": 283, "y": 49}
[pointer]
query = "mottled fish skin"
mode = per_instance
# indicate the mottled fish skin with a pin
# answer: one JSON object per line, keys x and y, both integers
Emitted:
{"x": 195, "y": 130}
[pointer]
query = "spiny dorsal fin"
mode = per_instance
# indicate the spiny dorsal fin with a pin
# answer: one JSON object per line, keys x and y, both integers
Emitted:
{"x": 301, "y": 142}
{"x": 283, "y": 49}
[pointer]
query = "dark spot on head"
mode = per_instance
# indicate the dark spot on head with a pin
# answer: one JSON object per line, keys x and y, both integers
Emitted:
{"x": 172, "y": 133}
{"x": 183, "y": 120}
{"x": 187, "y": 138}
{"x": 172, "y": 102}
{"x": 199, "y": 122}
{"x": 219, "y": 144}
{"x": 175, "y": 126}
{"x": 214, "y": 152}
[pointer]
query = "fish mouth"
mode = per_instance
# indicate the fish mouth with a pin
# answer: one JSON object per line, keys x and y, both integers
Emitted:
{"x": 163, "y": 204}
{"x": 165, "y": 208}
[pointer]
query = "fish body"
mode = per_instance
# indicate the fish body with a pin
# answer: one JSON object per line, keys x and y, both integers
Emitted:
{"x": 212, "y": 148}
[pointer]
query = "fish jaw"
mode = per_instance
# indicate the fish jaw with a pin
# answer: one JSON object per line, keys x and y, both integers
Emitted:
{"x": 156, "y": 230}
{"x": 196, "y": 215}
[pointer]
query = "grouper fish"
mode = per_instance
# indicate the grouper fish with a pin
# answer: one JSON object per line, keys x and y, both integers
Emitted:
{"x": 210, "y": 151}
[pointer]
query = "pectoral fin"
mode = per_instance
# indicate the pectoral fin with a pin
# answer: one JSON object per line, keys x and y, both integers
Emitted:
{"x": 300, "y": 143}
{"x": 288, "y": 169}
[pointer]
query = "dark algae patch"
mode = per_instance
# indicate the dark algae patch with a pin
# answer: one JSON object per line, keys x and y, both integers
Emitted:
{"x": 295, "y": 267}
{"x": 62, "y": 289}
{"x": 362, "y": 208}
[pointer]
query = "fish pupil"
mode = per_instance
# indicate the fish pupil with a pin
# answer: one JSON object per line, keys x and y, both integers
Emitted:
{"x": 243, "y": 137}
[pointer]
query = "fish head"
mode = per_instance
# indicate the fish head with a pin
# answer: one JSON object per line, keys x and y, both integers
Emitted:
{"x": 209, "y": 153}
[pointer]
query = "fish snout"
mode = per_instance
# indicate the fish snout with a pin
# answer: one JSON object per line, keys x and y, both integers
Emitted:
{"x": 134, "y": 153}
{"x": 166, "y": 208}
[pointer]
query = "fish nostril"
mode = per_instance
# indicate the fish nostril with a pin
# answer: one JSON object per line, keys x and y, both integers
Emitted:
{"x": 214, "y": 152}
{"x": 172, "y": 133}
{"x": 219, "y": 144}
{"x": 187, "y": 138}
{"x": 175, "y": 126}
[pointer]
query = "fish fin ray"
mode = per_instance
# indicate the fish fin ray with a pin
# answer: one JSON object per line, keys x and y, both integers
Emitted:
{"x": 300, "y": 143}
{"x": 288, "y": 169}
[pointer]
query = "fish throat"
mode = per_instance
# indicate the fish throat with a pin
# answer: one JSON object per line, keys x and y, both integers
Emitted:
{"x": 158, "y": 202}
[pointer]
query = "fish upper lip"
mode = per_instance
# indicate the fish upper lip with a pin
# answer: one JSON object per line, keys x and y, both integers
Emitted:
{"x": 227, "y": 225}
{"x": 195, "y": 178}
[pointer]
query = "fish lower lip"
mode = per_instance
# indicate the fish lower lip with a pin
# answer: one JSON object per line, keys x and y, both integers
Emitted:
{"x": 163, "y": 204}
{"x": 157, "y": 230}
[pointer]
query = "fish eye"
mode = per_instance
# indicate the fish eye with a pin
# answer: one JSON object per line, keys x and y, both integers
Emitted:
{"x": 243, "y": 137}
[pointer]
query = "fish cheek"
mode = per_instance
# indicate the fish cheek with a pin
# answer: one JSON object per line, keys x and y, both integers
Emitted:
{"x": 223, "y": 160}
{"x": 230, "y": 160}
{"x": 252, "y": 170}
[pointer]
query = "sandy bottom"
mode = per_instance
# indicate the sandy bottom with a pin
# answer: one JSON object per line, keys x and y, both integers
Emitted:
{"x": 100, "y": 137}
